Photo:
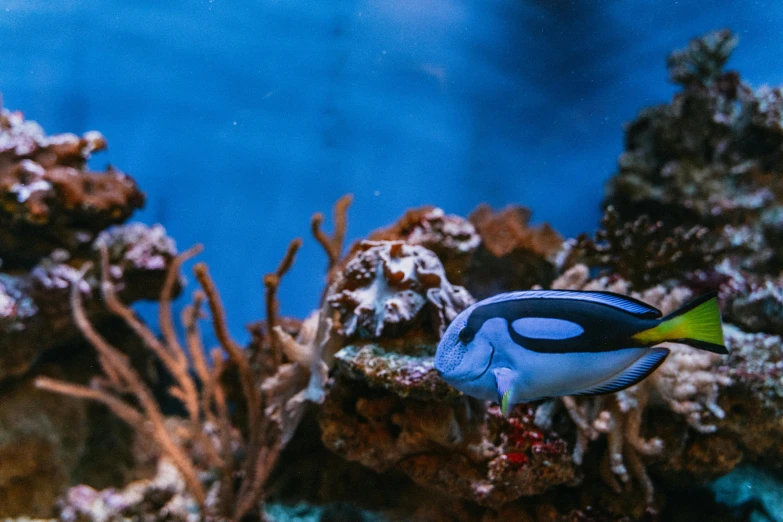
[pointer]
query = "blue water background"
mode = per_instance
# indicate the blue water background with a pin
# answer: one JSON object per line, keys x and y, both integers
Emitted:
{"x": 241, "y": 119}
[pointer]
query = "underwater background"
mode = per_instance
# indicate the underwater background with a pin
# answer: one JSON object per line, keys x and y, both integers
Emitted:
{"x": 455, "y": 149}
{"x": 240, "y": 119}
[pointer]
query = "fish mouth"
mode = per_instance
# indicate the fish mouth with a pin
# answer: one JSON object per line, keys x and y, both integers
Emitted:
{"x": 489, "y": 363}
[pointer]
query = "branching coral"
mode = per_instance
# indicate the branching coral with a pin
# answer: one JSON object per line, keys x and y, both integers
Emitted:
{"x": 312, "y": 349}
{"x": 224, "y": 467}
{"x": 641, "y": 252}
{"x": 333, "y": 245}
{"x": 687, "y": 383}
{"x": 204, "y": 399}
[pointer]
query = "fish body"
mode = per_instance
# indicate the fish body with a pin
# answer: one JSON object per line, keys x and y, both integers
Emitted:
{"x": 523, "y": 346}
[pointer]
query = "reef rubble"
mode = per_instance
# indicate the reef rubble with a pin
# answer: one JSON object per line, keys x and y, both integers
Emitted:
{"x": 220, "y": 436}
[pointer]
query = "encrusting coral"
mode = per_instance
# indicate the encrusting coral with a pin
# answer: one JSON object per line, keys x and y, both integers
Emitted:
{"x": 452, "y": 238}
{"x": 50, "y": 199}
{"x": 513, "y": 255}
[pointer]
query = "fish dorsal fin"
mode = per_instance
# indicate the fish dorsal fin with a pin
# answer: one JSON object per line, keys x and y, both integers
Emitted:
{"x": 634, "y": 373}
{"x": 621, "y": 302}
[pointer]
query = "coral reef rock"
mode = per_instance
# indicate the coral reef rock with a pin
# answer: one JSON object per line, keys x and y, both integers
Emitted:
{"x": 56, "y": 214}
{"x": 452, "y": 238}
{"x": 387, "y": 287}
{"x": 713, "y": 156}
{"x": 35, "y": 313}
{"x": 50, "y": 199}
{"x": 643, "y": 253}
{"x": 513, "y": 255}
{"x": 456, "y": 447}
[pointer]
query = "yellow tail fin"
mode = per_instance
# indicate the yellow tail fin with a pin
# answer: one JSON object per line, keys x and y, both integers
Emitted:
{"x": 697, "y": 324}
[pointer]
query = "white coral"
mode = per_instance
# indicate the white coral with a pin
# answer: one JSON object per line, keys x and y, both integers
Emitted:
{"x": 687, "y": 383}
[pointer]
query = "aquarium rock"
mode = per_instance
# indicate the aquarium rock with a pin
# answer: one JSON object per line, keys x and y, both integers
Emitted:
{"x": 388, "y": 287}
{"x": 35, "y": 313}
{"x": 51, "y": 200}
{"x": 452, "y": 238}
{"x": 712, "y": 157}
{"x": 513, "y": 254}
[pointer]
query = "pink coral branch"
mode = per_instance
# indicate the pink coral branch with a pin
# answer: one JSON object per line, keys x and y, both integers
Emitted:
{"x": 333, "y": 245}
{"x": 246, "y": 496}
{"x": 109, "y": 355}
{"x": 272, "y": 283}
{"x": 122, "y": 410}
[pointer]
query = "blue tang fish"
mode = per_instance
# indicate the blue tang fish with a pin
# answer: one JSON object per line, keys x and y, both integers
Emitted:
{"x": 523, "y": 346}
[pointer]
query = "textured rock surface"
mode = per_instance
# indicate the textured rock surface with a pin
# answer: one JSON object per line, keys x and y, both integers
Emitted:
{"x": 41, "y": 440}
{"x": 48, "y": 442}
{"x": 35, "y": 314}
{"x": 53, "y": 219}
{"x": 513, "y": 255}
{"x": 711, "y": 157}
{"x": 388, "y": 287}
{"x": 50, "y": 199}
{"x": 450, "y": 446}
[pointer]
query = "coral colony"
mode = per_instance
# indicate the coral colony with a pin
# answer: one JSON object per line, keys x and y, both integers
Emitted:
{"x": 342, "y": 416}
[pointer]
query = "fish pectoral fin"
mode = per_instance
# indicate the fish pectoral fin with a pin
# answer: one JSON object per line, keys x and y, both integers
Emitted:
{"x": 505, "y": 384}
{"x": 632, "y": 374}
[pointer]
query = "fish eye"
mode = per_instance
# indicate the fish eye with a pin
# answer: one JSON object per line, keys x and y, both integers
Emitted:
{"x": 467, "y": 334}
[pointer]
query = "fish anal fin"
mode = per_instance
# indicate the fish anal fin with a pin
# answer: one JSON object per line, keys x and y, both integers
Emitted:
{"x": 505, "y": 383}
{"x": 633, "y": 374}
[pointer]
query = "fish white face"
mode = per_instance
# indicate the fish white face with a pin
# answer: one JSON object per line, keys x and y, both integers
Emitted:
{"x": 463, "y": 355}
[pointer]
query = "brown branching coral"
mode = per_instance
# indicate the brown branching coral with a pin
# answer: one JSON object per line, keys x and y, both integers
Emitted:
{"x": 310, "y": 351}
{"x": 201, "y": 394}
{"x": 642, "y": 252}
{"x": 50, "y": 199}
{"x": 333, "y": 244}
{"x": 224, "y": 467}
